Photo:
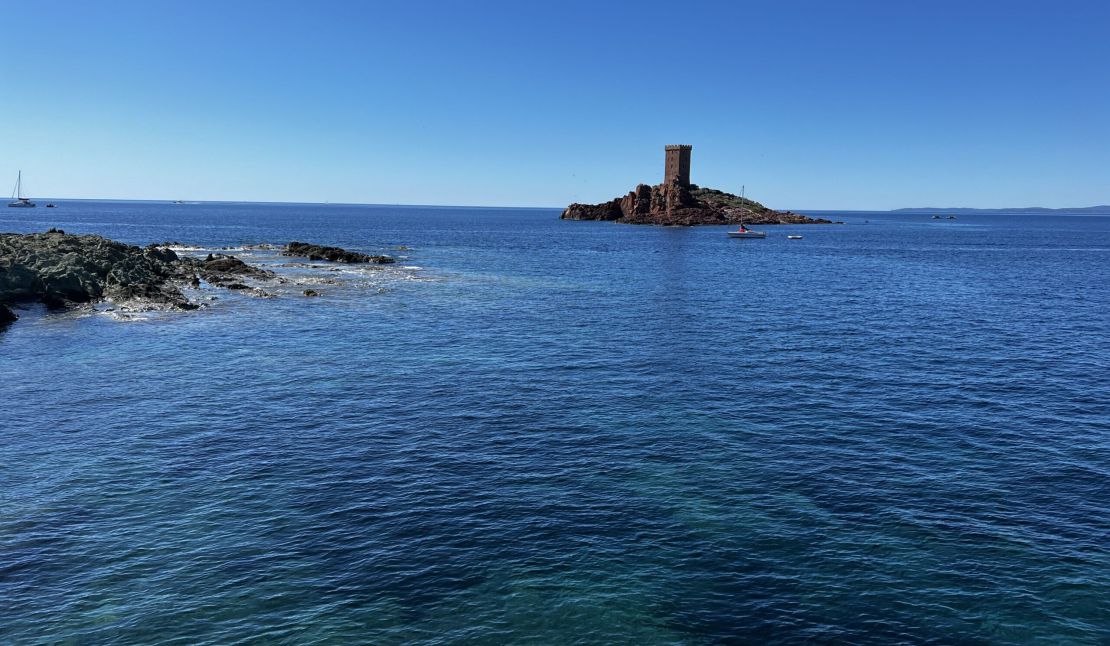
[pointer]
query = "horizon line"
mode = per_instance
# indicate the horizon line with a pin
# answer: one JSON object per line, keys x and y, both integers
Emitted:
{"x": 547, "y": 208}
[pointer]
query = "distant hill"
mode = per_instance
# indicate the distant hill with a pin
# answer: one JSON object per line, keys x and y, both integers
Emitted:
{"x": 1028, "y": 210}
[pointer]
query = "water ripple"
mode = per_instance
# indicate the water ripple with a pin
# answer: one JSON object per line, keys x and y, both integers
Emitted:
{"x": 573, "y": 433}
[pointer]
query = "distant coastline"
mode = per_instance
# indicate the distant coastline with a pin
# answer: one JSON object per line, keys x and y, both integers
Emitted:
{"x": 1027, "y": 210}
{"x": 1103, "y": 209}
{"x": 205, "y": 202}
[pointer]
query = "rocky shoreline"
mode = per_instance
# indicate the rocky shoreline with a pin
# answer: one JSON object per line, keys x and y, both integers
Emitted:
{"x": 675, "y": 204}
{"x": 63, "y": 270}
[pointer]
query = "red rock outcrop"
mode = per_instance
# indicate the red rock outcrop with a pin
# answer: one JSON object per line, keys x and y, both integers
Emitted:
{"x": 674, "y": 204}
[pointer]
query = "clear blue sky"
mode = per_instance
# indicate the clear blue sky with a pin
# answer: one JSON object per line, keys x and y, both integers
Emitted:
{"x": 811, "y": 104}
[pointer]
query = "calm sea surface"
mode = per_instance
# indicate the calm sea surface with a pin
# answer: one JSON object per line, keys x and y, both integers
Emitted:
{"x": 548, "y": 432}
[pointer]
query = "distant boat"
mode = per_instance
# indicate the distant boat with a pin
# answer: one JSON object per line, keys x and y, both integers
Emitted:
{"x": 745, "y": 232}
{"x": 793, "y": 237}
{"x": 951, "y": 217}
{"x": 178, "y": 202}
{"x": 50, "y": 205}
{"x": 936, "y": 217}
{"x": 18, "y": 201}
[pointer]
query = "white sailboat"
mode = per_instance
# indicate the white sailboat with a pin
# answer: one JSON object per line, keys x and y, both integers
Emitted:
{"x": 745, "y": 232}
{"x": 18, "y": 201}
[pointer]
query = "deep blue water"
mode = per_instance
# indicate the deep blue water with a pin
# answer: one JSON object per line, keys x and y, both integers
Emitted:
{"x": 537, "y": 431}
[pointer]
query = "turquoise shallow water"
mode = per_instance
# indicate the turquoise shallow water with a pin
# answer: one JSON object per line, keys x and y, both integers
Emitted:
{"x": 536, "y": 431}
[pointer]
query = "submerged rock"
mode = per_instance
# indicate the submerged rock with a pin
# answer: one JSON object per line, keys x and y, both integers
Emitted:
{"x": 6, "y": 316}
{"x": 333, "y": 254}
{"x": 676, "y": 204}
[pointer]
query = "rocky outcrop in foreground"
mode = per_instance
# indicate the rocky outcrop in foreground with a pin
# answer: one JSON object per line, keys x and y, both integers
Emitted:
{"x": 334, "y": 254}
{"x": 61, "y": 270}
{"x": 676, "y": 205}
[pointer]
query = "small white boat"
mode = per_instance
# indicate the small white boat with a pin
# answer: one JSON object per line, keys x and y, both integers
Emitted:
{"x": 18, "y": 200}
{"x": 793, "y": 237}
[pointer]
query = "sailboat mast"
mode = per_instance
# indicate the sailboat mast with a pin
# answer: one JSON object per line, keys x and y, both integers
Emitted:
{"x": 742, "y": 187}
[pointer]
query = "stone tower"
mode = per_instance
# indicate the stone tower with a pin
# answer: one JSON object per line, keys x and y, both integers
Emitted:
{"x": 678, "y": 164}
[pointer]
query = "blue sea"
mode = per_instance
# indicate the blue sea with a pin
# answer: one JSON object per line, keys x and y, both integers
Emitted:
{"x": 534, "y": 431}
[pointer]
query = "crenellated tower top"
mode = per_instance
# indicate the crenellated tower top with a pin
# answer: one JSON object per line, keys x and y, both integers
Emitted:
{"x": 677, "y": 164}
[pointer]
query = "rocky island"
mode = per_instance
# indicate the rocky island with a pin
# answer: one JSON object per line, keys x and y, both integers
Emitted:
{"x": 63, "y": 270}
{"x": 677, "y": 202}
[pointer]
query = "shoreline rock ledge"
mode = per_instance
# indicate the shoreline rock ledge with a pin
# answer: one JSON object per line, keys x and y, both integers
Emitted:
{"x": 62, "y": 270}
{"x": 59, "y": 269}
{"x": 675, "y": 204}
